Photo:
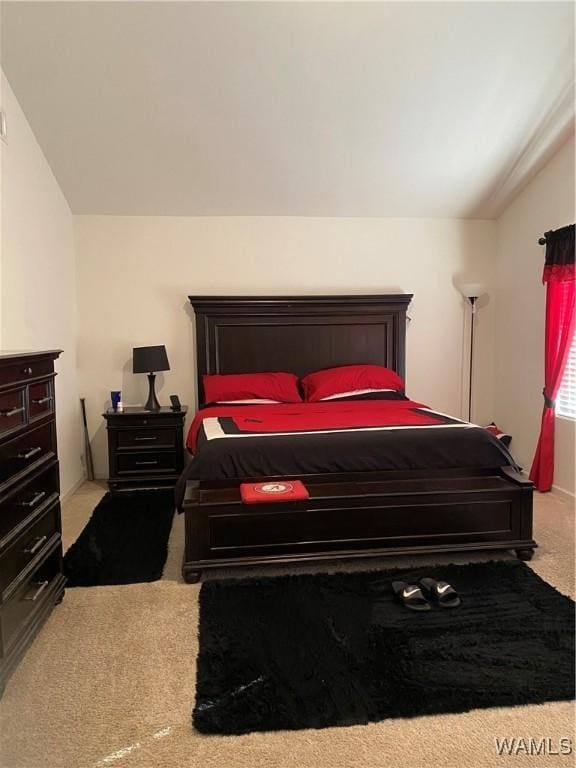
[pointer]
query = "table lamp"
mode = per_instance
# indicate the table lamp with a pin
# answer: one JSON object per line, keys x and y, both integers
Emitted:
{"x": 150, "y": 360}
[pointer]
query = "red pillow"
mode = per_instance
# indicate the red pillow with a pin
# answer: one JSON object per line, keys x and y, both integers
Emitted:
{"x": 349, "y": 380}
{"x": 279, "y": 387}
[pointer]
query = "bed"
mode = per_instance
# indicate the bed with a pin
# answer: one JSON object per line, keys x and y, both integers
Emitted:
{"x": 428, "y": 497}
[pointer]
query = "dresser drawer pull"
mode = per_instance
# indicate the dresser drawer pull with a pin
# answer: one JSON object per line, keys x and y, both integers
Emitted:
{"x": 27, "y": 371}
{"x": 34, "y": 500}
{"x": 40, "y": 587}
{"x": 38, "y": 543}
{"x": 42, "y": 400}
{"x": 29, "y": 453}
{"x": 11, "y": 412}
{"x": 145, "y": 463}
{"x": 145, "y": 439}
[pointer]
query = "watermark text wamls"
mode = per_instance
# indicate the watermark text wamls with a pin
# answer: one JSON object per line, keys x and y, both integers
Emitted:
{"x": 522, "y": 745}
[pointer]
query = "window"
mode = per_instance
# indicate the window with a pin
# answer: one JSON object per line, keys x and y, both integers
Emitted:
{"x": 566, "y": 399}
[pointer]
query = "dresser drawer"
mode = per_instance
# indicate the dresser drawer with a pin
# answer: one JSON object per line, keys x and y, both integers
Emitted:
{"x": 27, "y": 502}
{"x": 146, "y": 438}
{"x": 26, "y": 451}
{"x": 29, "y": 596}
{"x": 29, "y": 545}
{"x": 40, "y": 399}
{"x": 148, "y": 463}
{"x": 25, "y": 371}
{"x": 12, "y": 410}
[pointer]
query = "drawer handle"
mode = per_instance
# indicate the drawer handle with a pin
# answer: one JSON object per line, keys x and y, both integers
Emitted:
{"x": 40, "y": 587}
{"x": 144, "y": 439}
{"x": 33, "y": 548}
{"x": 11, "y": 412}
{"x": 42, "y": 400}
{"x": 34, "y": 500}
{"x": 27, "y": 371}
{"x": 30, "y": 452}
{"x": 145, "y": 463}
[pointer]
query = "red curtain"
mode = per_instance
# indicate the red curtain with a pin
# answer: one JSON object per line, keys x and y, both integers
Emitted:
{"x": 560, "y": 293}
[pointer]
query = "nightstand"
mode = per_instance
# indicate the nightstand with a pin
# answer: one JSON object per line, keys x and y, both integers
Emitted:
{"x": 145, "y": 448}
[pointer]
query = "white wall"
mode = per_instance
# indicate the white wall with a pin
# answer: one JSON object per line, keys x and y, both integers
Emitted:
{"x": 546, "y": 203}
{"x": 135, "y": 273}
{"x": 38, "y": 291}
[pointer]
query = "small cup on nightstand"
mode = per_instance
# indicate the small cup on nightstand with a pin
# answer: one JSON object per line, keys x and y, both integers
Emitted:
{"x": 115, "y": 397}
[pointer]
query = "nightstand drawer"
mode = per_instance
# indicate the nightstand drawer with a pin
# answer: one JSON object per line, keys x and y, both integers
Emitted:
{"x": 146, "y": 463}
{"x": 29, "y": 545}
{"x": 146, "y": 438}
{"x": 134, "y": 421}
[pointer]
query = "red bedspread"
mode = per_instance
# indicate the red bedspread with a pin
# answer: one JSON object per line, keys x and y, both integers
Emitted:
{"x": 257, "y": 442}
{"x": 289, "y": 418}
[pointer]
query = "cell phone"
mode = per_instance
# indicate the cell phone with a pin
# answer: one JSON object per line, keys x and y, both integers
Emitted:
{"x": 175, "y": 400}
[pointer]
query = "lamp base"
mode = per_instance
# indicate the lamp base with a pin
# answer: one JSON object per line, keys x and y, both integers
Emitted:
{"x": 152, "y": 403}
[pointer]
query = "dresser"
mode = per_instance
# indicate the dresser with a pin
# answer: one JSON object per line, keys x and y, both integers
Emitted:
{"x": 31, "y": 578}
{"x": 145, "y": 448}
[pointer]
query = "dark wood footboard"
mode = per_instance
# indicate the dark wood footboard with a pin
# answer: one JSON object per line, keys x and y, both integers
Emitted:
{"x": 386, "y": 513}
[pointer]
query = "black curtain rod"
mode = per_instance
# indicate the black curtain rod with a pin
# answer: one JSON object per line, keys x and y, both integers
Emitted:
{"x": 568, "y": 231}
{"x": 544, "y": 240}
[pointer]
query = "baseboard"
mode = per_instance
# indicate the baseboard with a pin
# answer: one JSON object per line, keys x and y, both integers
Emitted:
{"x": 71, "y": 491}
{"x": 567, "y": 495}
{"x": 557, "y": 490}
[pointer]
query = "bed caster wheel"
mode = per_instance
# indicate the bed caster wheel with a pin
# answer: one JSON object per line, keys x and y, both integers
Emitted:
{"x": 524, "y": 554}
{"x": 192, "y": 577}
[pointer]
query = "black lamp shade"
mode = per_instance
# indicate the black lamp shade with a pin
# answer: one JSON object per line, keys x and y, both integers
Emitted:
{"x": 150, "y": 359}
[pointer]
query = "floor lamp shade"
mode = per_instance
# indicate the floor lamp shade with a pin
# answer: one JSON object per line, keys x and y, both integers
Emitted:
{"x": 150, "y": 360}
{"x": 472, "y": 290}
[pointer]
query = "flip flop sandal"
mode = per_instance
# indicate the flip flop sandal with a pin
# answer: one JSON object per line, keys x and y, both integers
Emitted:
{"x": 440, "y": 592}
{"x": 410, "y": 595}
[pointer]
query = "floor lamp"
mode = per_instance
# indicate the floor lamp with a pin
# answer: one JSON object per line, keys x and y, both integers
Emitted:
{"x": 471, "y": 292}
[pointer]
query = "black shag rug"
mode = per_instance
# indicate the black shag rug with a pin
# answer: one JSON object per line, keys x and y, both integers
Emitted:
{"x": 325, "y": 650}
{"x": 124, "y": 542}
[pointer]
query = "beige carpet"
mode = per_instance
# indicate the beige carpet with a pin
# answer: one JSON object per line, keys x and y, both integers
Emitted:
{"x": 110, "y": 682}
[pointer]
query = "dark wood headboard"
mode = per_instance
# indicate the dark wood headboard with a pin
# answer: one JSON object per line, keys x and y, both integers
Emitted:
{"x": 243, "y": 334}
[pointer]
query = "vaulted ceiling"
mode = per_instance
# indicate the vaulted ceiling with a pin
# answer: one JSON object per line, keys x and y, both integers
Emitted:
{"x": 293, "y": 108}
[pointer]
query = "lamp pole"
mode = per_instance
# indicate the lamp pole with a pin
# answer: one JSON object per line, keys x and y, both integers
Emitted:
{"x": 471, "y": 292}
{"x": 472, "y": 300}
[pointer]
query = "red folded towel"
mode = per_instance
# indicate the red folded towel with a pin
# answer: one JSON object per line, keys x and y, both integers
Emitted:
{"x": 273, "y": 491}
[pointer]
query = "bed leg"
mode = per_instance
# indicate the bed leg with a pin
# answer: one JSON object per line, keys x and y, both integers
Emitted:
{"x": 524, "y": 554}
{"x": 191, "y": 577}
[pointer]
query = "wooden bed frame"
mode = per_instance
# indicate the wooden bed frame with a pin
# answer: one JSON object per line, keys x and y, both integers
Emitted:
{"x": 349, "y": 515}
